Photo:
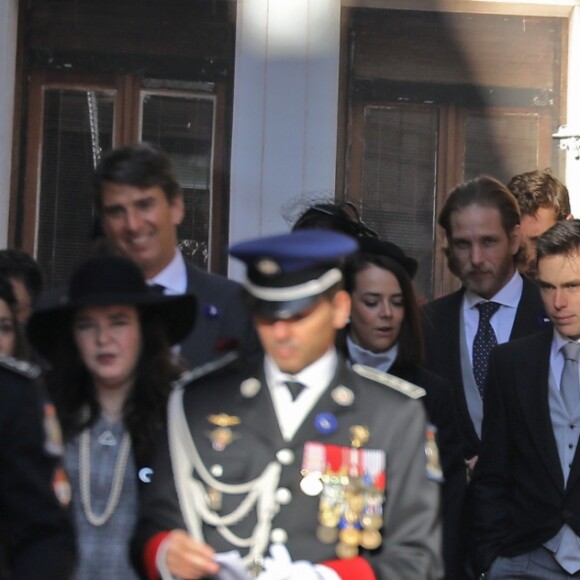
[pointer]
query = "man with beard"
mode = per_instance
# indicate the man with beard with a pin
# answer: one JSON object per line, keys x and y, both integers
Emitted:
{"x": 543, "y": 202}
{"x": 495, "y": 304}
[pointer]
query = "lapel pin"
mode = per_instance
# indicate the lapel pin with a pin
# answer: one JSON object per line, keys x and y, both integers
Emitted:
{"x": 250, "y": 387}
{"x": 342, "y": 396}
{"x": 222, "y": 437}
{"x": 325, "y": 423}
{"x": 224, "y": 420}
{"x": 359, "y": 436}
{"x": 211, "y": 311}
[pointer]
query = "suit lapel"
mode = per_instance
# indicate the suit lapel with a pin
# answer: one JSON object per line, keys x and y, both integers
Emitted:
{"x": 454, "y": 346}
{"x": 574, "y": 471}
{"x": 532, "y": 392}
{"x": 451, "y": 339}
{"x": 530, "y": 314}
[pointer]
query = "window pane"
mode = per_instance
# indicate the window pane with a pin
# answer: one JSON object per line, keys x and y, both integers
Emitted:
{"x": 183, "y": 127}
{"x": 399, "y": 181}
{"x": 500, "y": 144}
{"x": 77, "y": 125}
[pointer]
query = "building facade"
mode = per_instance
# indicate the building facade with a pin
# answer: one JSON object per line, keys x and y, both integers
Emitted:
{"x": 267, "y": 105}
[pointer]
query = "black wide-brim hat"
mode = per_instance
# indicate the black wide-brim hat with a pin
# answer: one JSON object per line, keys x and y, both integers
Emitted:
{"x": 109, "y": 281}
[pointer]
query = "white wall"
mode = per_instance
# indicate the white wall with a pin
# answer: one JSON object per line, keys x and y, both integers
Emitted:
{"x": 8, "y": 29}
{"x": 285, "y": 111}
{"x": 572, "y": 178}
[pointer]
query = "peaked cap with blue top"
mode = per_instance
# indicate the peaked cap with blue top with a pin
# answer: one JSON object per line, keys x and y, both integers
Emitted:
{"x": 287, "y": 273}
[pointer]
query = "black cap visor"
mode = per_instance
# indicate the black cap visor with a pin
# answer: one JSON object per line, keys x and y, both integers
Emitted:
{"x": 280, "y": 310}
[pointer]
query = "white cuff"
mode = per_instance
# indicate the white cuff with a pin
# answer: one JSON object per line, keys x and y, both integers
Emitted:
{"x": 326, "y": 573}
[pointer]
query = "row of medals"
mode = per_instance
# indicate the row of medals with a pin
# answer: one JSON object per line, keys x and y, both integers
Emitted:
{"x": 350, "y": 514}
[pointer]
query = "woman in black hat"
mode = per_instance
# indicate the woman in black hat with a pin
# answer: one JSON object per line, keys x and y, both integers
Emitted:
{"x": 385, "y": 333}
{"x": 108, "y": 345}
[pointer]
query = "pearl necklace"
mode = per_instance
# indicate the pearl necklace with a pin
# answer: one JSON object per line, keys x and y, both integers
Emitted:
{"x": 85, "y": 478}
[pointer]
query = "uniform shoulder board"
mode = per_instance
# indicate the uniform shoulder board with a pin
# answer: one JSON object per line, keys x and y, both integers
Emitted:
{"x": 401, "y": 385}
{"x": 204, "y": 370}
{"x": 21, "y": 367}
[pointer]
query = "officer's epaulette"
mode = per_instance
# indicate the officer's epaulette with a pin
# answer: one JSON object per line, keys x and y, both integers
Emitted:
{"x": 204, "y": 369}
{"x": 21, "y": 367}
{"x": 396, "y": 383}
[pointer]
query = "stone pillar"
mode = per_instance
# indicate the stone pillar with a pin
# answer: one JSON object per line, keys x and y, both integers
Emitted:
{"x": 285, "y": 111}
{"x": 572, "y": 178}
{"x": 8, "y": 32}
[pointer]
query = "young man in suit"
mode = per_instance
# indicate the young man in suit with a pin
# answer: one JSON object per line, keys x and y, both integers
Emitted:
{"x": 300, "y": 468}
{"x": 543, "y": 200}
{"x": 140, "y": 204}
{"x": 526, "y": 486}
{"x": 495, "y": 304}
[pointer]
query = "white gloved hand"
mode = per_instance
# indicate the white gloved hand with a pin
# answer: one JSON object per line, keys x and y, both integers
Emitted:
{"x": 279, "y": 566}
{"x": 232, "y": 566}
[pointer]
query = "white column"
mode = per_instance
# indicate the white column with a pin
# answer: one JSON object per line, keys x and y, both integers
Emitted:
{"x": 572, "y": 178}
{"x": 285, "y": 111}
{"x": 8, "y": 30}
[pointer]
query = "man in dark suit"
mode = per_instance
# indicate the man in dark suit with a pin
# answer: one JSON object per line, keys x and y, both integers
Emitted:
{"x": 481, "y": 223}
{"x": 300, "y": 467}
{"x": 140, "y": 204}
{"x": 526, "y": 485}
{"x": 36, "y": 533}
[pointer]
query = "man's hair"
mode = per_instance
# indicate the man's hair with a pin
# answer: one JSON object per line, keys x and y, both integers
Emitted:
{"x": 141, "y": 165}
{"x": 536, "y": 189}
{"x": 561, "y": 239}
{"x": 484, "y": 191}
{"x": 22, "y": 266}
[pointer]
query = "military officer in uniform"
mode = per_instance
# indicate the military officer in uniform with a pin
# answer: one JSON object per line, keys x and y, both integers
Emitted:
{"x": 301, "y": 468}
{"x": 36, "y": 534}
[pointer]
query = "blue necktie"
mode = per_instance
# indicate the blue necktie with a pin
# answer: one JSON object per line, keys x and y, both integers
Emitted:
{"x": 484, "y": 341}
{"x": 570, "y": 382}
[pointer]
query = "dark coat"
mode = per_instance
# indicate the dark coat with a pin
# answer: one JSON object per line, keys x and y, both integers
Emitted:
{"x": 396, "y": 424}
{"x": 222, "y": 321}
{"x": 36, "y": 533}
{"x": 440, "y": 321}
{"x": 519, "y": 499}
{"x": 440, "y": 408}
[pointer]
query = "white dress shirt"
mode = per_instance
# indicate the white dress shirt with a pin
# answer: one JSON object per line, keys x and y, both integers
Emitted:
{"x": 502, "y": 321}
{"x": 173, "y": 277}
{"x": 315, "y": 377}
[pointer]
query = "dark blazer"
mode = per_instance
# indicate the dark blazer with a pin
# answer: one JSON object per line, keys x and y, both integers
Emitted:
{"x": 440, "y": 321}
{"x": 222, "y": 321}
{"x": 519, "y": 499}
{"x": 440, "y": 408}
{"x": 36, "y": 533}
{"x": 396, "y": 425}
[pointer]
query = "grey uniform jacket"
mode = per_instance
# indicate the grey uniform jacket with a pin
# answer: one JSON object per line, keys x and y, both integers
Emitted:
{"x": 411, "y": 545}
